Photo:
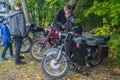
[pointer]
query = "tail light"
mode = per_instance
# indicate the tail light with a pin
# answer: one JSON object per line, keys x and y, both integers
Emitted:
{"x": 77, "y": 45}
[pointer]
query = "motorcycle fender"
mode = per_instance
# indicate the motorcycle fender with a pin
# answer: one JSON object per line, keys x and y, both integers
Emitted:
{"x": 47, "y": 53}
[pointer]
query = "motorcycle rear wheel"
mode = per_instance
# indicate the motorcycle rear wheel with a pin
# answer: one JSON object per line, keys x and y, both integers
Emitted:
{"x": 95, "y": 59}
{"x": 26, "y": 45}
{"x": 38, "y": 48}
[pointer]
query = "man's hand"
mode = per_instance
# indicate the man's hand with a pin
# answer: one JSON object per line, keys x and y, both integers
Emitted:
{"x": 24, "y": 39}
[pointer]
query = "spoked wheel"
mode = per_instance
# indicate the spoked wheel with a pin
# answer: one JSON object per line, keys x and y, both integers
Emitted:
{"x": 26, "y": 45}
{"x": 55, "y": 68}
{"x": 94, "y": 58}
{"x": 1, "y": 43}
{"x": 38, "y": 48}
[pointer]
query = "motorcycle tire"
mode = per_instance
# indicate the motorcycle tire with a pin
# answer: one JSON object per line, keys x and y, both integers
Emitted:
{"x": 95, "y": 59}
{"x": 26, "y": 45}
{"x": 55, "y": 68}
{"x": 38, "y": 48}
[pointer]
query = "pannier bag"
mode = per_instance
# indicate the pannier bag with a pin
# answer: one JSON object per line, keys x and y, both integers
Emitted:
{"x": 103, "y": 50}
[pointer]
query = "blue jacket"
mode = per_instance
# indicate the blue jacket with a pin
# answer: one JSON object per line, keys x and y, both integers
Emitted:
{"x": 5, "y": 33}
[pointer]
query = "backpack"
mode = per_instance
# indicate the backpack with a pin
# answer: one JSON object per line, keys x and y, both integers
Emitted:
{"x": 76, "y": 25}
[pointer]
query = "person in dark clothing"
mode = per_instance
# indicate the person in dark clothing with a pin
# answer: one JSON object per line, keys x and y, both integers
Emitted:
{"x": 69, "y": 25}
{"x": 60, "y": 18}
{"x": 6, "y": 39}
{"x": 69, "y": 16}
{"x": 17, "y": 25}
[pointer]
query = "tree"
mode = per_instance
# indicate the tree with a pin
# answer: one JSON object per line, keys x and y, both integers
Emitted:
{"x": 25, "y": 9}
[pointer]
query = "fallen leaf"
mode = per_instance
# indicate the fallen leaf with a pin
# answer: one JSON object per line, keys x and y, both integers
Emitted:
{"x": 116, "y": 69}
{"x": 76, "y": 75}
{"x": 25, "y": 75}
{"x": 18, "y": 67}
{"x": 31, "y": 62}
{"x": 1, "y": 72}
{"x": 68, "y": 78}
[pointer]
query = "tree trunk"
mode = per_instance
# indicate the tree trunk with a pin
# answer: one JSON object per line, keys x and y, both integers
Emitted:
{"x": 76, "y": 5}
{"x": 26, "y": 11}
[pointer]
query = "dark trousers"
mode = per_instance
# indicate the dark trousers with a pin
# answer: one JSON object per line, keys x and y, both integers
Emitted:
{"x": 18, "y": 45}
{"x": 6, "y": 46}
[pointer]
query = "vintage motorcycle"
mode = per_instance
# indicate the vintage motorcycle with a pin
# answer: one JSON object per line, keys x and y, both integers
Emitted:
{"x": 75, "y": 50}
{"x": 49, "y": 40}
{"x": 36, "y": 32}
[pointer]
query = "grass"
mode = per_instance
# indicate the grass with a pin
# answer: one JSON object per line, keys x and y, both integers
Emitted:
{"x": 32, "y": 71}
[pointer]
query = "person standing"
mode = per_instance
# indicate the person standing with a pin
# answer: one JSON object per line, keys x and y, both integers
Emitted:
{"x": 17, "y": 28}
{"x": 6, "y": 39}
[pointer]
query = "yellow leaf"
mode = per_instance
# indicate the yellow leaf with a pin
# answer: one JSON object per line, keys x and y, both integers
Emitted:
{"x": 18, "y": 67}
{"x": 68, "y": 78}
{"x": 1, "y": 72}
{"x": 38, "y": 77}
{"x": 116, "y": 69}
{"x": 77, "y": 75}
{"x": 31, "y": 62}
{"x": 25, "y": 75}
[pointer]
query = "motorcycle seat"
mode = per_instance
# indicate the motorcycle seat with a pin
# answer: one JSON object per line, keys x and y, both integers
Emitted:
{"x": 94, "y": 41}
{"x": 89, "y": 41}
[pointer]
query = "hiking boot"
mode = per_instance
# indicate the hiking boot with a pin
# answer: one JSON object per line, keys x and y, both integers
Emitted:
{"x": 12, "y": 56}
{"x": 21, "y": 57}
{"x": 20, "y": 63}
{"x": 3, "y": 58}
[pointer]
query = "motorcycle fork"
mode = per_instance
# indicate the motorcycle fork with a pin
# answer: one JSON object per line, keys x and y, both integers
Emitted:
{"x": 59, "y": 55}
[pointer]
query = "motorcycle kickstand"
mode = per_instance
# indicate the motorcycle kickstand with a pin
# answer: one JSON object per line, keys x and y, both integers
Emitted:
{"x": 76, "y": 69}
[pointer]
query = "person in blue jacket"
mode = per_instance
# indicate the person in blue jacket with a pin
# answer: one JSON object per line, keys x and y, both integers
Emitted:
{"x": 6, "y": 38}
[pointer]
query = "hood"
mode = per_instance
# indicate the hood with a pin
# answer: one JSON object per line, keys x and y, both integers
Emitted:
{"x": 12, "y": 13}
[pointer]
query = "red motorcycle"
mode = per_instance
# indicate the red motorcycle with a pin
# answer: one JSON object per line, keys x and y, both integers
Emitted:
{"x": 49, "y": 40}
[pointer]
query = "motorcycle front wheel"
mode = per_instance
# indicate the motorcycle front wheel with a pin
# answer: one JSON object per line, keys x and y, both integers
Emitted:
{"x": 55, "y": 68}
{"x": 38, "y": 48}
{"x": 26, "y": 45}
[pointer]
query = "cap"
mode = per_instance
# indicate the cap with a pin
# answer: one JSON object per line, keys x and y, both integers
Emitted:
{"x": 3, "y": 18}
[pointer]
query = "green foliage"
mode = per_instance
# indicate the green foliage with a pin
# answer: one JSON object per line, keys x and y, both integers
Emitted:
{"x": 109, "y": 11}
{"x": 115, "y": 47}
{"x": 105, "y": 30}
{"x": 43, "y": 11}
{"x": 76, "y": 20}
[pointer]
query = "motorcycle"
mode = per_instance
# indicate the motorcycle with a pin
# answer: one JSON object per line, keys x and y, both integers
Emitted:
{"x": 36, "y": 31}
{"x": 49, "y": 40}
{"x": 75, "y": 50}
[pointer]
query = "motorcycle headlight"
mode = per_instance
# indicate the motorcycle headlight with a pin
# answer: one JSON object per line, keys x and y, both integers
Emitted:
{"x": 60, "y": 34}
{"x": 45, "y": 30}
